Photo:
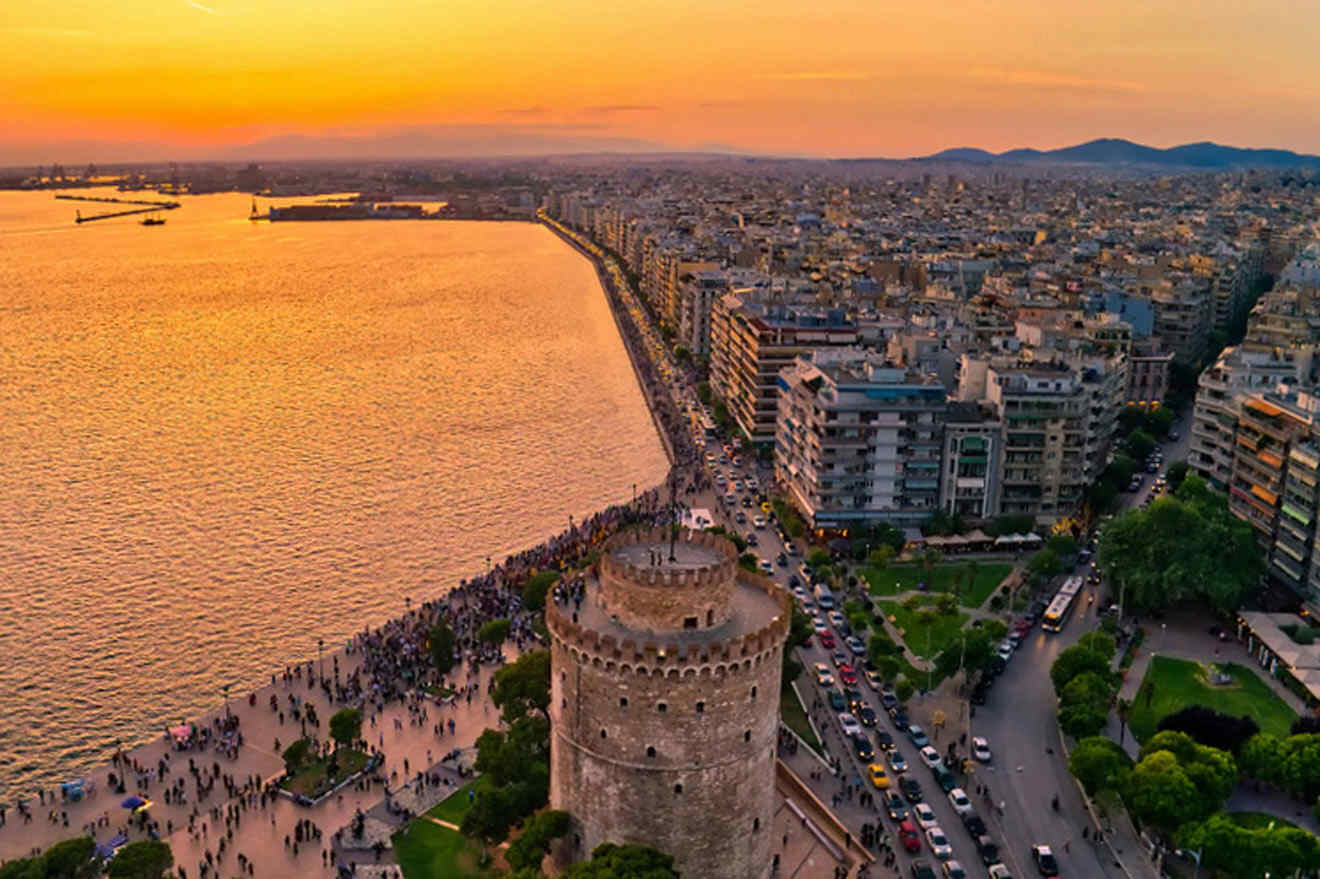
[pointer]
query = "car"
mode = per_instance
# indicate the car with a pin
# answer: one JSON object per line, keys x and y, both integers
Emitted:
{"x": 781, "y": 560}
{"x": 731, "y": 499}
{"x": 961, "y": 803}
{"x": 944, "y": 778}
{"x": 753, "y": 541}
{"x": 799, "y": 593}
{"x": 836, "y": 699}
{"x": 980, "y": 692}
{"x": 766, "y": 567}
{"x": 866, "y": 714}
{"x": 909, "y": 836}
{"x": 981, "y": 750}
{"x": 911, "y": 789}
{"x": 917, "y": 735}
{"x": 930, "y": 757}
{"x": 884, "y": 740}
{"x": 999, "y": 871}
{"x": 888, "y": 699}
{"x": 740, "y": 517}
{"x": 849, "y": 723}
{"x": 790, "y": 548}
{"x": 805, "y": 573}
{"x": 847, "y": 675}
{"x": 894, "y": 806}
{"x": 823, "y": 676}
{"x": 826, "y": 638}
{"x": 899, "y": 716}
{"x": 972, "y": 821}
{"x": 840, "y": 657}
{"x": 954, "y": 870}
{"x": 855, "y": 645}
{"x": 924, "y": 815}
{"x": 818, "y": 626}
{"x": 1014, "y": 638}
{"x": 862, "y": 747}
{"x": 988, "y": 849}
{"x": 876, "y": 772}
{"x": 854, "y": 697}
{"x": 809, "y": 606}
{"x": 1046, "y": 863}
{"x": 897, "y": 761}
{"x": 747, "y": 503}
{"x": 922, "y": 870}
{"x": 1004, "y": 651}
{"x": 939, "y": 843}
{"x": 872, "y": 678}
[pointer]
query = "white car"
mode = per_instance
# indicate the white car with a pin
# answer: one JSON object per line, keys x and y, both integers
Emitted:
{"x": 981, "y": 749}
{"x": 767, "y": 566}
{"x": 959, "y": 800}
{"x": 824, "y": 677}
{"x": 758, "y": 522}
{"x": 925, "y": 816}
{"x": 939, "y": 843}
{"x": 850, "y": 725}
{"x": 999, "y": 871}
{"x": 799, "y": 593}
{"x": 930, "y": 757}
{"x": 836, "y": 619}
{"x": 954, "y": 870}
{"x": 818, "y": 626}
{"x": 1005, "y": 650}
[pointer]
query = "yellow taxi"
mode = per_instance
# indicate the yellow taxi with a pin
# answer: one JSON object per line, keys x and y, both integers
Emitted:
{"x": 878, "y": 777}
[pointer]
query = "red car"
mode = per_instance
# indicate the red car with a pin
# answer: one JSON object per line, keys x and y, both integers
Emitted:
{"x": 908, "y": 835}
{"x": 848, "y": 675}
{"x": 827, "y": 640}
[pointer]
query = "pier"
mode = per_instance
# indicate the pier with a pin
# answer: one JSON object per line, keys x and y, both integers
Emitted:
{"x": 147, "y": 207}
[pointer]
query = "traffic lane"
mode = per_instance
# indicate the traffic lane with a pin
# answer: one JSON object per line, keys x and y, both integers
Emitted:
{"x": 1019, "y": 719}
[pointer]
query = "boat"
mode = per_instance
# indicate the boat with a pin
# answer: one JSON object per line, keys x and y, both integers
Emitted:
{"x": 153, "y": 221}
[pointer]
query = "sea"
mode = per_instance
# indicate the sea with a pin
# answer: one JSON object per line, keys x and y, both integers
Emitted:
{"x": 222, "y": 441}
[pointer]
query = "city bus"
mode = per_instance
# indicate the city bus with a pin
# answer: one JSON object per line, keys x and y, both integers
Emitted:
{"x": 1056, "y": 615}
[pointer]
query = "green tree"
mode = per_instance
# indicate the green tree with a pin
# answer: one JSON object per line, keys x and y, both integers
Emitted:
{"x": 1099, "y": 642}
{"x": 1261, "y": 757}
{"x": 537, "y": 588}
{"x": 541, "y": 829}
{"x": 441, "y": 644}
{"x": 296, "y": 755}
{"x": 1098, "y": 763}
{"x": 71, "y": 859}
{"x": 1177, "y": 474}
{"x": 800, "y": 630}
{"x": 904, "y": 688}
{"x": 610, "y": 861}
{"x": 141, "y": 860}
{"x": 1074, "y": 661}
{"x": 523, "y": 686}
{"x": 1139, "y": 444}
{"x": 881, "y": 556}
{"x": 817, "y": 558}
{"x": 1045, "y": 564}
{"x": 23, "y": 868}
{"x": 887, "y": 668}
{"x": 1159, "y": 792}
{"x": 748, "y": 562}
{"x": 346, "y": 726}
{"x": 494, "y": 632}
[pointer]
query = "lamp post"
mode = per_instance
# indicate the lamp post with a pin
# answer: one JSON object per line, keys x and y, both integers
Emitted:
{"x": 320, "y": 655}
{"x": 225, "y": 689}
{"x": 1164, "y": 628}
{"x": 487, "y": 566}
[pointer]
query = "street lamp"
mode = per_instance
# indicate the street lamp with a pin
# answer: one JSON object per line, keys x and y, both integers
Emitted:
{"x": 320, "y": 655}
{"x": 225, "y": 689}
{"x": 1164, "y": 628}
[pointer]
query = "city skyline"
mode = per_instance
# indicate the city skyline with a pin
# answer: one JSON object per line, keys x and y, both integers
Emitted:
{"x": 190, "y": 80}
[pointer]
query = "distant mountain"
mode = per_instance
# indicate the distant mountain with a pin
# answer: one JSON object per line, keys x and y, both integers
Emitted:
{"x": 1116, "y": 151}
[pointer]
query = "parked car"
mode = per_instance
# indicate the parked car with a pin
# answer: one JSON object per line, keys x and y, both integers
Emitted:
{"x": 872, "y": 678}
{"x": 918, "y": 736}
{"x": 954, "y": 870}
{"x": 961, "y": 803}
{"x": 922, "y": 870}
{"x": 975, "y": 826}
{"x": 823, "y": 676}
{"x": 944, "y": 778}
{"x": 981, "y": 749}
{"x": 988, "y": 849}
{"x": 930, "y": 757}
{"x": 924, "y": 815}
{"x": 888, "y": 699}
{"x": 855, "y": 645}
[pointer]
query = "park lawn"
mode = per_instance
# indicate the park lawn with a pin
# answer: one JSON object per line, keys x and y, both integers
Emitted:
{"x": 426, "y": 850}
{"x": 942, "y": 630}
{"x": 895, "y": 579}
{"x": 454, "y": 807}
{"x": 1179, "y": 683}
{"x": 1259, "y": 820}
{"x": 311, "y": 781}
{"x": 795, "y": 716}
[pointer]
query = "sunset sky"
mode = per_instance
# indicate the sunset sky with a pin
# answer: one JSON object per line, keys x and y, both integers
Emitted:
{"x": 200, "y": 78}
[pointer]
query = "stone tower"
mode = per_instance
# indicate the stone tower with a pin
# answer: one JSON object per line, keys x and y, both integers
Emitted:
{"x": 664, "y": 704}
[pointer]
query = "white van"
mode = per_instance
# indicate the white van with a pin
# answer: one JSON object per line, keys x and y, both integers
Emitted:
{"x": 824, "y": 597}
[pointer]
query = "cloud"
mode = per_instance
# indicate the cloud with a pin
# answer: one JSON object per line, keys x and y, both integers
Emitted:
{"x": 819, "y": 76}
{"x": 1054, "y": 80}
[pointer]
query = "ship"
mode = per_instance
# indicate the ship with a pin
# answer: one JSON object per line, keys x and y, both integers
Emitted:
{"x": 153, "y": 221}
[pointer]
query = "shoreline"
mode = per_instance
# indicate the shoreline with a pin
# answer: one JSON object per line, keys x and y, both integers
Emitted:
{"x": 98, "y": 769}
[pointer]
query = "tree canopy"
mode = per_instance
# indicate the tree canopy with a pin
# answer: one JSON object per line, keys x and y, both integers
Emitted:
{"x": 1179, "y": 780}
{"x": 441, "y": 642}
{"x": 610, "y": 861}
{"x": 346, "y": 726}
{"x": 537, "y": 587}
{"x": 1099, "y": 763}
{"x": 1209, "y": 727}
{"x": 1085, "y": 684}
{"x": 1292, "y": 763}
{"x": 1188, "y": 546}
{"x": 523, "y": 685}
{"x": 1235, "y": 850}
{"x": 141, "y": 860}
{"x": 531, "y": 847}
{"x": 494, "y": 632}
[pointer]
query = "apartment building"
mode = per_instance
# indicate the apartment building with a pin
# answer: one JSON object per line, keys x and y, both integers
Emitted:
{"x": 859, "y": 438}
{"x": 1266, "y": 427}
{"x": 1148, "y": 370}
{"x": 969, "y": 484}
{"x": 752, "y": 341}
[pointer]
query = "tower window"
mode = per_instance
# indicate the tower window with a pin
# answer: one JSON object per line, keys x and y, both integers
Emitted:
{"x": 747, "y": 736}
{"x": 678, "y": 788}
{"x": 756, "y": 824}
{"x": 623, "y": 701}
{"x": 701, "y": 707}
{"x": 661, "y": 707}
{"x": 710, "y": 618}
{"x": 602, "y": 734}
{"x": 650, "y": 751}
{"x": 689, "y": 622}
{"x": 753, "y": 692}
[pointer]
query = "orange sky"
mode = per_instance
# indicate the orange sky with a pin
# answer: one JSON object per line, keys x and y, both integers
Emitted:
{"x": 829, "y": 77}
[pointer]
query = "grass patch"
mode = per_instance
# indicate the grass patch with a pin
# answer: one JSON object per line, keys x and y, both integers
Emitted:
{"x": 924, "y": 639}
{"x": 795, "y": 716}
{"x": 425, "y": 850}
{"x": 894, "y": 579}
{"x": 1179, "y": 683}
{"x": 1260, "y": 820}
{"x": 315, "y": 778}
{"x": 454, "y": 807}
